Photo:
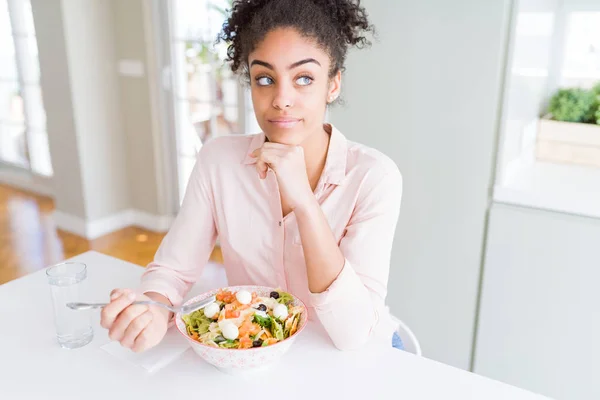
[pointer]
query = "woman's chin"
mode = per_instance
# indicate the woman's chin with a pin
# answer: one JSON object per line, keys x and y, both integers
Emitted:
{"x": 289, "y": 137}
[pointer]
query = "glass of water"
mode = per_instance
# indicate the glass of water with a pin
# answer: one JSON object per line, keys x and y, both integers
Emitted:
{"x": 73, "y": 327}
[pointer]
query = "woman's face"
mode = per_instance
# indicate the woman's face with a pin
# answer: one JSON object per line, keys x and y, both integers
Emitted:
{"x": 290, "y": 85}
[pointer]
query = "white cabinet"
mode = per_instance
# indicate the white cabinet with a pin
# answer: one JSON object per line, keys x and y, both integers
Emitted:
{"x": 539, "y": 321}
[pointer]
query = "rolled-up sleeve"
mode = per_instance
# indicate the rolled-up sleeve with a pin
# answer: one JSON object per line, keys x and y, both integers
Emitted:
{"x": 187, "y": 246}
{"x": 350, "y": 308}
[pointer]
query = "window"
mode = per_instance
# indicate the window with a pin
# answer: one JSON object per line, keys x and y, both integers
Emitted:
{"x": 581, "y": 61}
{"x": 209, "y": 100}
{"x": 553, "y": 45}
{"x": 23, "y": 137}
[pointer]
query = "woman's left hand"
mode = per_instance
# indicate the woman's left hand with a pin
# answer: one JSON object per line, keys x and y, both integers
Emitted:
{"x": 287, "y": 162}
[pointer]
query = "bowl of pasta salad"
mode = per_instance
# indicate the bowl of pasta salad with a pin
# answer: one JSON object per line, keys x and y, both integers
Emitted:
{"x": 245, "y": 328}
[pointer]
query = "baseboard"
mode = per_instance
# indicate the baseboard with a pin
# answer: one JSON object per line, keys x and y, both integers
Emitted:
{"x": 112, "y": 223}
{"x": 103, "y": 226}
{"x": 25, "y": 181}
{"x": 155, "y": 223}
{"x": 70, "y": 223}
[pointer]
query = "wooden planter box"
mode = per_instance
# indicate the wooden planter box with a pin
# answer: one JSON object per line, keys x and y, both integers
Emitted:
{"x": 568, "y": 142}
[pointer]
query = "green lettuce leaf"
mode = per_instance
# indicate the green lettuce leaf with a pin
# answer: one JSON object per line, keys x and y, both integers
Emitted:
{"x": 265, "y": 322}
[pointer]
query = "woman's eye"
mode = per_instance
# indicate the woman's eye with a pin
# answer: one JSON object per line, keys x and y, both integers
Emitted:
{"x": 304, "y": 80}
{"x": 264, "y": 81}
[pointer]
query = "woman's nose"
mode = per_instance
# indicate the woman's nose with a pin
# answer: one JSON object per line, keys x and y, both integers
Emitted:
{"x": 283, "y": 99}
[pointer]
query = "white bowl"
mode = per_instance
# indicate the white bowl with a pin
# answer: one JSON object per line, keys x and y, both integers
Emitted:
{"x": 235, "y": 361}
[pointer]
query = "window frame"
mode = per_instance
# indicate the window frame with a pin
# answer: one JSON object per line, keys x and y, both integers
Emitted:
{"x": 17, "y": 11}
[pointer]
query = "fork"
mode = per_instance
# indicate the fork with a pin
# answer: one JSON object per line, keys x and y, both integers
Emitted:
{"x": 185, "y": 309}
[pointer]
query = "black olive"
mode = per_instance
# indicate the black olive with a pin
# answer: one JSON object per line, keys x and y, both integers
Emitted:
{"x": 275, "y": 295}
{"x": 262, "y": 307}
{"x": 220, "y": 339}
{"x": 257, "y": 343}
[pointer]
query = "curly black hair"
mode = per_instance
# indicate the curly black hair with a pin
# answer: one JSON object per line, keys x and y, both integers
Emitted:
{"x": 335, "y": 25}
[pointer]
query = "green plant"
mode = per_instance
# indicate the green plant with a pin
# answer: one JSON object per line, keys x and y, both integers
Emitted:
{"x": 574, "y": 105}
{"x": 596, "y": 91}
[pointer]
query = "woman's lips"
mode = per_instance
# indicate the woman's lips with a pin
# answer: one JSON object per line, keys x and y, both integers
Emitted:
{"x": 285, "y": 122}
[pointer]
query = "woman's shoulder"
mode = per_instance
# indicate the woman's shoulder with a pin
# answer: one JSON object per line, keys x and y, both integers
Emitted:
{"x": 225, "y": 150}
{"x": 374, "y": 175}
{"x": 370, "y": 163}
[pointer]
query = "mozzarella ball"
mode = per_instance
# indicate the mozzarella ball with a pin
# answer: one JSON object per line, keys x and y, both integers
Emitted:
{"x": 280, "y": 311}
{"x": 211, "y": 310}
{"x": 230, "y": 331}
{"x": 244, "y": 297}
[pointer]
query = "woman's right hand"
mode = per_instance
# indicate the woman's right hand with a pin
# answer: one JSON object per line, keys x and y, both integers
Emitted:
{"x": 137, "y": 327}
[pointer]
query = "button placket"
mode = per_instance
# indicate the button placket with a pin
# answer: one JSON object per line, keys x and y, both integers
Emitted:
{"x": 280, "y": 266}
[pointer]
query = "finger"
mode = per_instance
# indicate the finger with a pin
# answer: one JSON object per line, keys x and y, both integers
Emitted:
{"x": 135, "y": 328}
{"x": 277, "y": 146}
{"x": 261, "y": 168}
{"x": 113, "y": 309}
{"x": 116, "y": 293}
{"x": 117, "y": 330}
{"x": 256, "y": 152}
{"x": 279, "y": 151}
{"x": 142, "y": 342}
{"x": 298, "y": 150}
{"x": 270, "y": 158}
{"x": 266, "y": 160}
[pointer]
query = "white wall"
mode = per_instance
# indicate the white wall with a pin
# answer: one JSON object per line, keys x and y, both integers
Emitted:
{"x": 137, "y": 113}
{"x": 540, "y": 313}
{"x": 95, "y": 89}
{"x": 428, "y": 96}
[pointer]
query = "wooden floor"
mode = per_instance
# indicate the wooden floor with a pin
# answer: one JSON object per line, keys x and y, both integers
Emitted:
{"x": 29, "y": 240}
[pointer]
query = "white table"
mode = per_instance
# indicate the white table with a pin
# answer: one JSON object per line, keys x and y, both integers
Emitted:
{"x": 32, "y": 365}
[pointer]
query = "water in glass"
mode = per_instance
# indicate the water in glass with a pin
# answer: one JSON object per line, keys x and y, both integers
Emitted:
{"x": 73, "y": 328}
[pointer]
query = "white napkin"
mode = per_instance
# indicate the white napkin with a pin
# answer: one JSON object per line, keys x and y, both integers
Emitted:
{"x": 172, "y": 346}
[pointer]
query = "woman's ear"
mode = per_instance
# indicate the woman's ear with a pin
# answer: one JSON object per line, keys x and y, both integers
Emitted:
{"x": 335, "y": 86}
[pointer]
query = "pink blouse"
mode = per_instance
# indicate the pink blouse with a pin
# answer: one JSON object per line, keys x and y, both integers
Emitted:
{"x": 360, "y": 193}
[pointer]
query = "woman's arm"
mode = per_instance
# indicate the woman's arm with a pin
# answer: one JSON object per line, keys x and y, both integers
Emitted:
{"x": 179, "y": 260}
{"x": 324, "y": 260}
{"x": 348, "y": 283}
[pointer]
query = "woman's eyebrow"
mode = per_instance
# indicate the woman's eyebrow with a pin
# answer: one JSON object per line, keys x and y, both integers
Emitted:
{"x": 263, "y": 63}
{"x": 305, "y": 61}
{"x": 292, "y": 66}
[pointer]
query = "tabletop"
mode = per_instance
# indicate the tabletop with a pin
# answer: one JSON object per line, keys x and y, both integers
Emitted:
{"x": 32, "y": 365}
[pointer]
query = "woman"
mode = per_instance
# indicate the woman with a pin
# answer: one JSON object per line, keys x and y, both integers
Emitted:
{"x": 297, "y": 206}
